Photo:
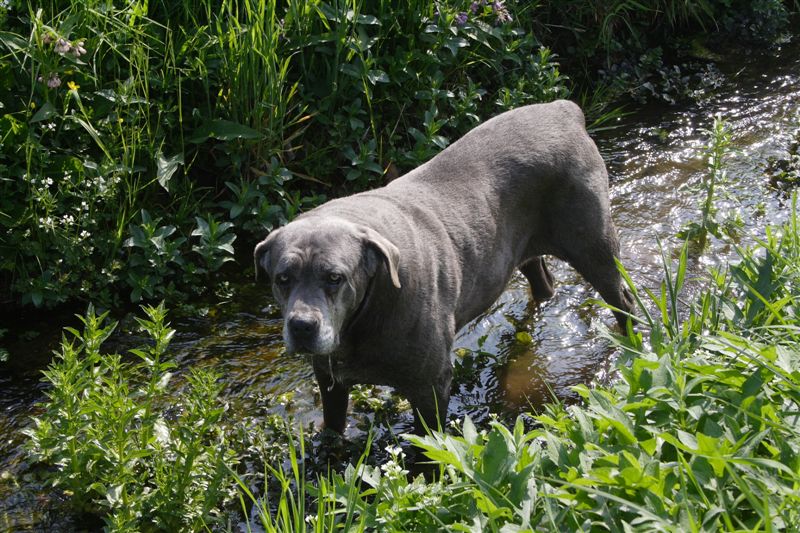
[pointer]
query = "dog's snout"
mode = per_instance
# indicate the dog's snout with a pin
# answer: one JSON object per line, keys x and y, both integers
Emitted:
{"x": 303, "y": 327}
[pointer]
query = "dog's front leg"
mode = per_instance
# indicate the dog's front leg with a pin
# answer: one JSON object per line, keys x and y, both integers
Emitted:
{"x": 335, "y": 398}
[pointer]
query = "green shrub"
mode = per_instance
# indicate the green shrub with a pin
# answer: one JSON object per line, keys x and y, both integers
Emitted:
{"x": 114, "y": 449}
{"x": 113, "y": 110}
{"x": 256, "y": 109}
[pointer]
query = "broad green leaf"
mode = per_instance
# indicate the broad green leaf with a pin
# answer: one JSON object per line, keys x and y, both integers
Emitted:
{"x": 166, "y": 167}
{"x": 46, "y": 112}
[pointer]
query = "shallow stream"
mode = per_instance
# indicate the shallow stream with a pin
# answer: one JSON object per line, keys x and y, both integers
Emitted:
{"x": 516, "y": 356}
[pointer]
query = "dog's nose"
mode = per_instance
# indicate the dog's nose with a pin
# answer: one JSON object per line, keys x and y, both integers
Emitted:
{"x": 303, "y": 327}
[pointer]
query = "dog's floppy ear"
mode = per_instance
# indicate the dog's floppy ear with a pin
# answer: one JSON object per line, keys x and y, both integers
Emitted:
{"x": 261, "y": 253}
{"x": 387, "y": 250}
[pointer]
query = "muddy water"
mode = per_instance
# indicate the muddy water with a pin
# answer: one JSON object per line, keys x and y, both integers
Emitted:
{"x": 517, "y": 355}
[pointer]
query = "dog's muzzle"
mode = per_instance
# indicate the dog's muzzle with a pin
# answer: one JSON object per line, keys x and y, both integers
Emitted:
{"x": 307, "y": 333}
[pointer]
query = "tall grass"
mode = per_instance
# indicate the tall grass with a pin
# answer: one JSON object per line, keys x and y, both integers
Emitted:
{"x": 253, "y": 110}
{"x": 246, "y": 109}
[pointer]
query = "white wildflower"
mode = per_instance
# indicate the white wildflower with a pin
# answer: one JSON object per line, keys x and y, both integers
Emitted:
{"x": 394, "y": 451}
{"x": 393, "y": 470}
{"x": 53, "y": 81}
{"x": 62, "y": 46}
{"x": 78, "y": 49}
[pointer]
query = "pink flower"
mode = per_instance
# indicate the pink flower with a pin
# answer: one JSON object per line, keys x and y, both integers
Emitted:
{"x": 53, "y": 81}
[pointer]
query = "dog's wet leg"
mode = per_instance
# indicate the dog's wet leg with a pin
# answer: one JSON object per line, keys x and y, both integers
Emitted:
{"x": 430, "y": 404}
{"x": 539, "y": 277}
{"x": 335, "y": 397}
{"x": 597, "y": 266}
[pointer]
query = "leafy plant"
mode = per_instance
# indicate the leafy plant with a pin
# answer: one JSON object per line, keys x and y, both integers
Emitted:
{"x": 713, "y": 185}
{"x": 114, "y": 448}
{"x": 155, "y": 257}
{"x": 216, "y": 243}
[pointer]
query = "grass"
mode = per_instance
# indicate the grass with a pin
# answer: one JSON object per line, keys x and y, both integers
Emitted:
{"x": 251, "y": 111}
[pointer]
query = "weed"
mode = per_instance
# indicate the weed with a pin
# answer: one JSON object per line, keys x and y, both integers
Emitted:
{"x": 114, "y": 448}
{"x": 713, "y": 185}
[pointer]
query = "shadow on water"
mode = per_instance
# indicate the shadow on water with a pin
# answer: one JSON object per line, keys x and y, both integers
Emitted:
{"x": 515, "y": 356}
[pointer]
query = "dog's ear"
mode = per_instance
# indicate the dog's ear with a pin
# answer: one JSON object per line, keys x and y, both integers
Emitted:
{"x": 386, "y": 250}
{"x": 261, "y": 253}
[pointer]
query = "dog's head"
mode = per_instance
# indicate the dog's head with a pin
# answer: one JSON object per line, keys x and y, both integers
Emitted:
{"x": 320, "y": 269}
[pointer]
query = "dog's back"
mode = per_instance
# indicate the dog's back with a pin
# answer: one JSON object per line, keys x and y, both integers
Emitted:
{"x": 491, "y": 200}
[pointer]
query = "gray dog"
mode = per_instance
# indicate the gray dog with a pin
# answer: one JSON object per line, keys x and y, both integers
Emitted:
{"x": 375, "y": 286}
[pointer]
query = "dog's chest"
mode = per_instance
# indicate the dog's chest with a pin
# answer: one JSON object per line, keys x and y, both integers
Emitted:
{"x": 350, "y": 371}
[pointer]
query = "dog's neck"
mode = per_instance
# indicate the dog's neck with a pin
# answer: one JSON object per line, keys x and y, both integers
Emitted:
{"x": 360, "y": 311}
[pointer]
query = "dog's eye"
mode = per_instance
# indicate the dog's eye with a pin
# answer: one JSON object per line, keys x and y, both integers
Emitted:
{"x": 282, "y": 278}
{"x": 334, "y": 278}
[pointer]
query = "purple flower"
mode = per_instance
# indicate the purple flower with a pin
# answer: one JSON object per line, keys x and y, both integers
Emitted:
{"x": 62, "y": 46}
{"x": 461, "y": 19}
{"x": 474, "y": 7}
{"x": 78, "y": 50}
{"x": 503, "y": 16}
{"x": 53, "y": 81}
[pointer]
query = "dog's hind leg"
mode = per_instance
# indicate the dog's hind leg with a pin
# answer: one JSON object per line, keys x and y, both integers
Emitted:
{"x": 539, "y": 278}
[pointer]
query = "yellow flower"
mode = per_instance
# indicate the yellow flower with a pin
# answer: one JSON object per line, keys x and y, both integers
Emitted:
{"x": 73, "y": 86}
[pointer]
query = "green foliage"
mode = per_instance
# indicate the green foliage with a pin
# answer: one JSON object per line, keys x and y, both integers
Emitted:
{"x": 111, "y": 110}
{"x": 253, "y": 110}
{"x": 216, "y": 243}
{"x": 392, "y": 83}
{"x": 758, "y": 21}
{"x": 119, "y": 442}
